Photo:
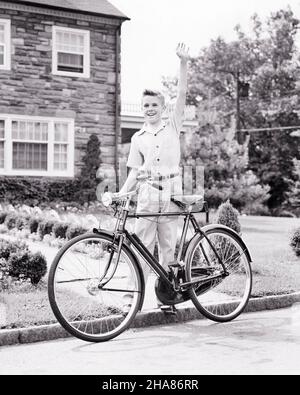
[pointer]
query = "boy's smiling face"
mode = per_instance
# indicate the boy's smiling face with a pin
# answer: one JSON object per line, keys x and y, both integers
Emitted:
{"x": 153, "y": 109}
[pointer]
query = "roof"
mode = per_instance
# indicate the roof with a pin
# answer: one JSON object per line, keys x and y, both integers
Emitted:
{"x": 100, "y": 7}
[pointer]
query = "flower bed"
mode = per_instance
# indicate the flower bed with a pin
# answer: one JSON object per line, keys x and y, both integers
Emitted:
{"x": 50, "y": 226}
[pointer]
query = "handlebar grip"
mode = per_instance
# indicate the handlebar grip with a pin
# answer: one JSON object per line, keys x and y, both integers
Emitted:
{"x": 157, "y": 186}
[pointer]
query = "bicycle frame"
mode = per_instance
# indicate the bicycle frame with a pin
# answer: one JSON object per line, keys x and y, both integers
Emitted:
{"x": 121, "y": 234}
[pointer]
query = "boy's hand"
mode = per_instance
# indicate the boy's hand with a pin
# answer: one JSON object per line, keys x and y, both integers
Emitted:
{"x": 182, "y": 52}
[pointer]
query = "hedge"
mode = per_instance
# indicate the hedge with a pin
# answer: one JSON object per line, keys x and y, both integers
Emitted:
{"x": 35, "y": 191}
{"x": 60, "y": 229}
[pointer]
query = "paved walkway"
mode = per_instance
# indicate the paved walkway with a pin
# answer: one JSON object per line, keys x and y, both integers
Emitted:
{"x": 255, "y": 344}
{"x": 148, "y": 317}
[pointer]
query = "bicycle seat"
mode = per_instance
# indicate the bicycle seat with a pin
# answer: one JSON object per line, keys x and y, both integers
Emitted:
{"x": 185, "y": 201}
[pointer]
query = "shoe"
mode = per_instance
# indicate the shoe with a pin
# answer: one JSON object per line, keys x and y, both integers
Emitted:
{"x": 171, "y": 310}
{"x": 127, "y": 303}
{"x": 126, "y": 309}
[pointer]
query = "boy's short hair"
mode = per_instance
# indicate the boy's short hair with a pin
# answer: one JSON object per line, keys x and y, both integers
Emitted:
{"x": 150, "y": 92}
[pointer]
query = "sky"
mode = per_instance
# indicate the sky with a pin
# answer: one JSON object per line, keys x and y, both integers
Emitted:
{"x": 150, "y": 38}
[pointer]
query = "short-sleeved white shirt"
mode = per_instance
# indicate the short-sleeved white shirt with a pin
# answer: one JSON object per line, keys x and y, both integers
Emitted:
{"x": 159, "y": 152}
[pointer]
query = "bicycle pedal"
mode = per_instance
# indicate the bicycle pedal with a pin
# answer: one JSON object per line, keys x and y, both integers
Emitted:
{"x": 170, "y": 310}
{"x": 175, "y": 265}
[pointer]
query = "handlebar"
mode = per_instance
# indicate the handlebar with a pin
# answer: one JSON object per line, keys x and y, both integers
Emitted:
{"x": 108, "y": 198}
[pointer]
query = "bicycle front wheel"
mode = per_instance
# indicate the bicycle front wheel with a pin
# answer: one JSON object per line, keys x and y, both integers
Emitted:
{"x": 223, "y": 298}
{"x": 81, "y": 303}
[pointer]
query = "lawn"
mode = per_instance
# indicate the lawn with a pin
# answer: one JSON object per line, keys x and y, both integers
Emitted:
{"x": 27, "y": 305}
{"x": 276, "y": 270}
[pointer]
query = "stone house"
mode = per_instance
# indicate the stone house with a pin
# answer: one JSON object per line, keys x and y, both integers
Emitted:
{"x": 59, "y": 84}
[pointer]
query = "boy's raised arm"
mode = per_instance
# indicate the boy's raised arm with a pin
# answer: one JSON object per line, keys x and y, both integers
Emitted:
{"x": 183, "y": 53}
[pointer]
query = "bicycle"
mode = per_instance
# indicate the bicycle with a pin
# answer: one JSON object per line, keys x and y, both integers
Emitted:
{"x": 94, "y": 273}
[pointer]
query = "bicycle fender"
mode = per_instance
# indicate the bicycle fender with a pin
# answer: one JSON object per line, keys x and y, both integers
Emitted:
{"x": 206, "y": 228}
{"x": 111, "y": 234}
{"x": 233, "y": 233}
{"x": 131, "y": 254}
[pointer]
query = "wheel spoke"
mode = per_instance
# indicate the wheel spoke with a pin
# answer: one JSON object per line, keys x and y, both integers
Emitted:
{"x": 75, "y": 293}
{"x": 221, "y": 299}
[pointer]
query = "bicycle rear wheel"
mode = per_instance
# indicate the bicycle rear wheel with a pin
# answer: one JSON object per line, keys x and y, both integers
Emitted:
{"x": 84, "y": 308}
{"x": 221, "y": 299}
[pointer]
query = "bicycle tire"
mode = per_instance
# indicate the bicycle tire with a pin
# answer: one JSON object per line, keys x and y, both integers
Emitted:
{"x": 224, "y": 299}
{"x": 69, "y": 290}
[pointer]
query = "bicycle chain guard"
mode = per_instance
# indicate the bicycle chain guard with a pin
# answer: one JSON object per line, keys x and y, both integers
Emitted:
{"x": 167, "y": 295}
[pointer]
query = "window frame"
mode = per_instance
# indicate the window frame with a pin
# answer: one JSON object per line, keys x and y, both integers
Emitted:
{"x": 86, "y": 53}
{"x": 50, "y": 172}
{"x": 7, "y": 44}
{"x": 2, "y": 140}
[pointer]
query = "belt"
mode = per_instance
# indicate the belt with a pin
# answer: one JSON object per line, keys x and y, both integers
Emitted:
{"x": 166, "y": 177}
{"x": 149, "y": 176}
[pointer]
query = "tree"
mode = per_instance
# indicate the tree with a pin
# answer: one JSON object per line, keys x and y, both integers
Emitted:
{"x": 264, "y": 67}
{"x": 88, "y": 177}
{"x": 293, "y": 198}
{"x": 275, "y": 99}
{"x": 225, "y": 161}
{"x": 91, "y": 160}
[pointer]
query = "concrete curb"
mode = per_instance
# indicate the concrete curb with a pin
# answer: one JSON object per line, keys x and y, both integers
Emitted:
{"x": 144, "y": 319}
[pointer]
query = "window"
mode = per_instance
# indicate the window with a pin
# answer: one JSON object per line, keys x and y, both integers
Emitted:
{"x": 61, "y": 146}
{"x": 36, "y": 146}
{"x": 71, "y": 52}
{"x": 30, "y": 145}
{"x": 4, "y": 44}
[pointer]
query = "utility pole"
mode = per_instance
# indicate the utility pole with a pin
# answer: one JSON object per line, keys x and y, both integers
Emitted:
{"x": 238, "y": 108}
{"x": 239, "y": 135}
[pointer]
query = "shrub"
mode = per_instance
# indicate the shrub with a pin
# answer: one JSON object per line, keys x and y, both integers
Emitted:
{"x": 256, "y": 208}
{"x": 4, "y": 275}
{"x": 10, "y": 220}
{"x": 227, "y": 215}
{"x": 37, "y": 268}
{"x": 295, "y": 242}
{"x": 5, "y": 249}
{"x": 60, "y": 229}
{"x": 21, "y": 222}
{"x": 45, "y": 228}
{"x": 25, "y": 265}
{"x": 74, "y": 231}
{"x": 8, "y": 247}
{"x": 88, "y": 177}
{"x": 3, "y": 215}
{"x": 283, "y": 213}
{"x": 33, "y": 224}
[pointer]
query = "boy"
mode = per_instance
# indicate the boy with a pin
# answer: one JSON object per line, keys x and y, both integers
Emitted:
{"x": 155, "y": 152}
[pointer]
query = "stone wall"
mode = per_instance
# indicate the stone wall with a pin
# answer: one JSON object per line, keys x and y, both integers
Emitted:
{"x": 30, "y": 88}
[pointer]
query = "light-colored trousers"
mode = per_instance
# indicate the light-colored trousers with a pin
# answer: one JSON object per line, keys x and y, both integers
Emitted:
{"x": 160, "y": 229}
